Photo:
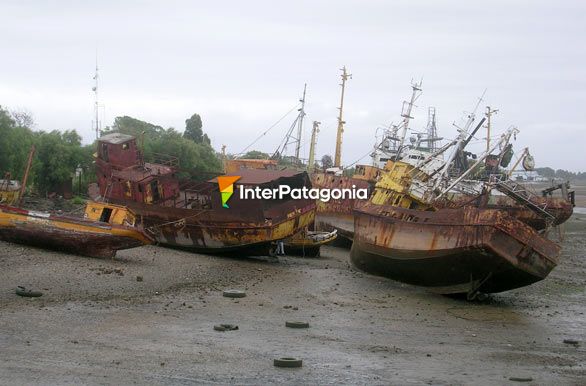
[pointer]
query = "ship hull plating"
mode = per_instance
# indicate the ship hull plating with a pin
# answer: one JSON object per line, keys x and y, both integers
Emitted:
{"x": 337, "y": 214}
{"x": 68, "y": 235}
{"x": 451, "y": 250}
{"x": 207, "y": 232}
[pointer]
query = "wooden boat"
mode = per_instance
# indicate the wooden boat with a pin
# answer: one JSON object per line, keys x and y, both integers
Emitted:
{"x": 308, "y": 243}
{"x": 106, "y": 229}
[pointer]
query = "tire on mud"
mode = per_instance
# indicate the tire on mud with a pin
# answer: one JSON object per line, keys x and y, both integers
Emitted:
{"x": 288, "y": 362}
{"x": 297, "y": 324}
{"x": 234, "y": 294}
{"x": 21, "y": 291}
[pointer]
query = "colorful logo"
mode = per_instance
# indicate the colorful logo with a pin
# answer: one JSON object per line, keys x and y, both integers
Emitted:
{"x": 226, "y": 184}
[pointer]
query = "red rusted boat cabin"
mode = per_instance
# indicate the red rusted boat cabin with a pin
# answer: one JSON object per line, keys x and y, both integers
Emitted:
{"x": 123, "y": 175}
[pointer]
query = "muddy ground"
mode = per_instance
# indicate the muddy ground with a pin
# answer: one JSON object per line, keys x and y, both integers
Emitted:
{"x": 97, "y": 324}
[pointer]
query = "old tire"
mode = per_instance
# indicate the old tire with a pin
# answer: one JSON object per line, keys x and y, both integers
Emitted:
{"x": 21, "y": 291}
{"x": 297, "y": 324}
{"x": 234, "y": 294}
{"x": 288, "y": 362}
{"x": 225, "y": 327}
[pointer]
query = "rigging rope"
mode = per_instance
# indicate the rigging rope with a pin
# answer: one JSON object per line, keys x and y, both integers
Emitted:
{"x": 267, "y": 130}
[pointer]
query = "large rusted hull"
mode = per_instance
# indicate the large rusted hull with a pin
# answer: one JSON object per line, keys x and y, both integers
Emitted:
{"x": 451, "y": 250}
{"x": 222, "y": 231}
{"x": 66, "y": 234}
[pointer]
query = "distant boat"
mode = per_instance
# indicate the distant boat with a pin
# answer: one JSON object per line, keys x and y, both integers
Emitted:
{"x": 106, "y": 229}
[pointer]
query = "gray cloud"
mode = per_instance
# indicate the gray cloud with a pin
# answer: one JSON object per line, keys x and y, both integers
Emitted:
{"x": 241, "y": 65}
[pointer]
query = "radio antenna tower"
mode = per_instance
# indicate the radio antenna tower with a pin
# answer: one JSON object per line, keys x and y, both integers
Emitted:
{"x": 96, "y": 104}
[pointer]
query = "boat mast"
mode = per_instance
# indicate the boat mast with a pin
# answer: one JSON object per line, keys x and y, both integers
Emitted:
{"x": 300, "y": 124}
{"x": 505, "y": 138}
{"x": 462, "y": 136}
{"x": 488, "y": 114}
{"x": 406, "y": 113}
{"x": 311, "y": 161}
{"x": 26, "y": 172}
{"x": 338, "y": 154}
{"x": 431, "y": 129}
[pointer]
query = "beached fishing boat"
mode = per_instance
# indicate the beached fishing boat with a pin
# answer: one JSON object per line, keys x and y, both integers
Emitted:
{"x": 414, "y": 230}
{"x": 106, "y": 229}
{"x": 191, "y": 215}
{"x": 391, "y": 146}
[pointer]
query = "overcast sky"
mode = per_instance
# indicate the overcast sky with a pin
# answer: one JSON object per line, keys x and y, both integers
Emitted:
{"x": 242, "y": 64}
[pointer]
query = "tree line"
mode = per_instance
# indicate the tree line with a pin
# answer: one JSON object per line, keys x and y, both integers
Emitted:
{"x": 561, "y": 174}
{"x": 59, "y": 154}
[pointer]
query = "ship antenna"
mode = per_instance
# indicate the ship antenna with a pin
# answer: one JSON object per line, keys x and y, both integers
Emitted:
{"x": 341, "y": 122}
{"x": 96, "y": 104}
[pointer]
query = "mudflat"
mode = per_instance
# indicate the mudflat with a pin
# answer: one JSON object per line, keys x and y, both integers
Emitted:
{"x": 148, "y": 317}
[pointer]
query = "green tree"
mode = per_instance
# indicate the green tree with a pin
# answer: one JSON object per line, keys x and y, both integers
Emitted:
{"x": 194, "y": 131}
{"x": 256, "y": 154}
{"x": 326, "y": 161}
{"x": 57, "y": 156}
{"x": 15, "y": 144}
{"x": 192, "y": 156}
{"x": 135, "y": 127}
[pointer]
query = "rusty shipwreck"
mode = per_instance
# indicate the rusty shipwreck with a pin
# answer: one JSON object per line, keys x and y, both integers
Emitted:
{"x": 105, "y": 229}
{"x": 509, "y": 195}
{"x": 417, "y": 229}
{"x": 189, "y": 214}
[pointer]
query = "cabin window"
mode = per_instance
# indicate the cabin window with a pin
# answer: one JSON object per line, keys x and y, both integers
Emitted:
{"x": 125, "y": 146}
{"x": 106, "y": 213}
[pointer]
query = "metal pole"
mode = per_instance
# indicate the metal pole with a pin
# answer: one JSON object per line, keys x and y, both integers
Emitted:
{"x": 338, "y": 154}
{"x": 505, "y": 139}
{"x": 300, "y": 124}
{"x": 311, "y": 161}
{"x": 488, "y": 114}
{"x": 26, "y": 171}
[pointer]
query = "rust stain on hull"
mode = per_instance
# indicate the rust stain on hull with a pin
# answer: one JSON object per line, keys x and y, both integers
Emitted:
{"x": 70, "y": 235}
{"x": 451, "y": 250}
{"x": 190, "y": 214}
{"x": 337, "y": 214}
